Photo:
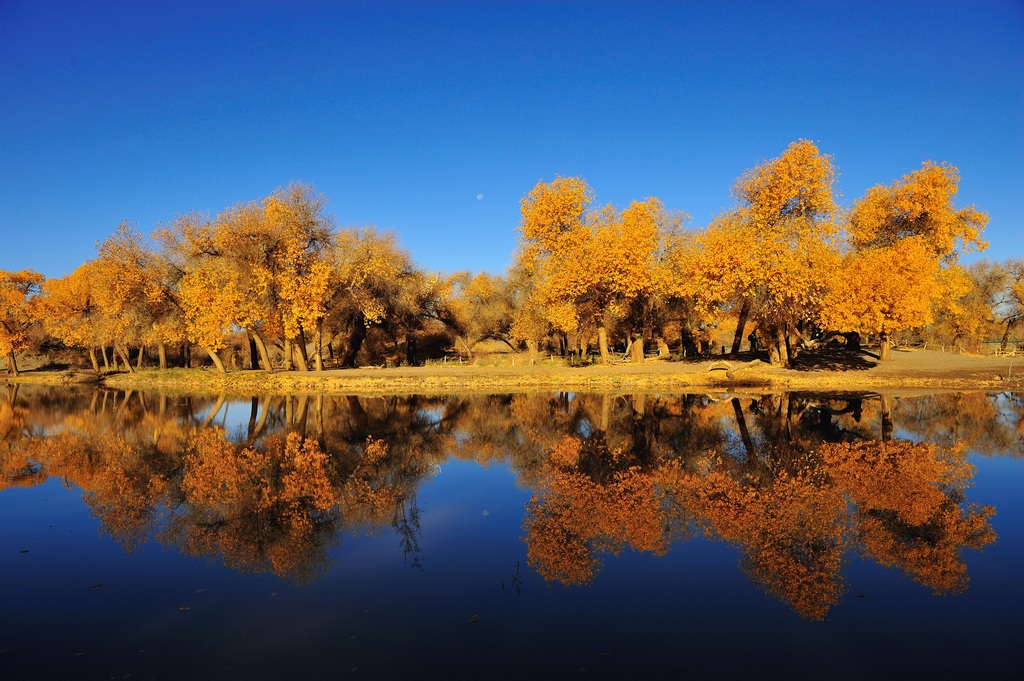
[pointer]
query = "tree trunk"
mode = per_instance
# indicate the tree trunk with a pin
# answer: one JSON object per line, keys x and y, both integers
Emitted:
{"x": 741, "y": 323}
{"x": 318, "y": 345}
{"x": 689, "y": 343}
{"x": 216, "y": 359}
{"x": 12, "y": 364}
{"x": 103, "y": 352}
{"x": 142, "y": 354}
{"x": 92, "y": 358}
{"x": 356, "y": 335}
{"x": 300, "y": 356}
{"x": 123, "y": 352}
{"x": 161, "y": 351}
{"x": 637, "y": 356}
{"x": 287, "y": 355}
{"x": 254, "y": 356}
{"x": 1006, "y": 334}
{"x": 602, "y": 343}
{"x": 780, "y": 341}
{"x": 303, "y": 351}
{"x": 773, "y": 348}
{"x": 884, "y": 347}
{"x": 261, "y": 348}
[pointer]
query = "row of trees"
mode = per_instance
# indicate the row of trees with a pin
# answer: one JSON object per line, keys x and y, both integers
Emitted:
{"x": 786, "y": 261}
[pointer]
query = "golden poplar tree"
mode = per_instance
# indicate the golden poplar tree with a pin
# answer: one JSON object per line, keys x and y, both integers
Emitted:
{"x": 18, "y": 312}
{"x": 903, "y": 237}
{"x": 772, "y": 254}
{"x": 590, "y": 264}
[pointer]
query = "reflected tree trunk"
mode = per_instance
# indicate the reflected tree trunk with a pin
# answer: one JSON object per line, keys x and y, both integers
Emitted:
{"x": 639, "y": 402}
{"x": 302, "y": 413}
{"x": 254, "y": 408}
{"x": 262, "y": 421}
{"x": 213, "y": 412}
{"x": 886, "y": 409}
{"x": 741, "y": 424}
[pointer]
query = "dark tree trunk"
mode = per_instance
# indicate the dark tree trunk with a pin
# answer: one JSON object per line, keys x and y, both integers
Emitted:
{"x": 161, "y": 351}
{"x": 254, "y": 355}
{"x": 261, "y": 348}
{"x": 689, "y": 343}
{"x": 887, "y": 425}
{"x": 254, "y": 408}
{"x": 741, "y": 323}
{"x": 354, "y": 341}
{"x": 741, "y": 422}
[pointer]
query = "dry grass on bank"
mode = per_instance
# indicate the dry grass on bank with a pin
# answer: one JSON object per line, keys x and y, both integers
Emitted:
{"x": 833, "y": 371}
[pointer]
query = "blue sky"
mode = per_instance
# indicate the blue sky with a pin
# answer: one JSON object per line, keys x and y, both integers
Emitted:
{"x": 402, "y": 113}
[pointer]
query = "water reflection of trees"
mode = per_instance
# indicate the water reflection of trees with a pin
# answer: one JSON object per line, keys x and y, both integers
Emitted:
{"x": 795, "y": 482}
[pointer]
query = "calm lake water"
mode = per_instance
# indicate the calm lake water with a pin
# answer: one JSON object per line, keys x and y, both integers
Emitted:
{"x": 562, "y": 536}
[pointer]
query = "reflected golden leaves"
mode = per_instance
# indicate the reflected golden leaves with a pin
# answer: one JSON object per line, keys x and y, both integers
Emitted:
{"x": 574, "y": 517}
{"x": 794, "y": 510}
{"x": 795, "y": 484}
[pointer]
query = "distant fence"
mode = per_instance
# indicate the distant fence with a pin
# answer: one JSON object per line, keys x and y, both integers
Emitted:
{"x": 989, "y": 348}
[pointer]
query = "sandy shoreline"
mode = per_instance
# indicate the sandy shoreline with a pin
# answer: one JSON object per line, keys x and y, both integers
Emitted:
{"x": 836, "y": 372}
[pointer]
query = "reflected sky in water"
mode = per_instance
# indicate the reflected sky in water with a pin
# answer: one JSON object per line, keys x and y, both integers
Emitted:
{"x": 545, "y": 536}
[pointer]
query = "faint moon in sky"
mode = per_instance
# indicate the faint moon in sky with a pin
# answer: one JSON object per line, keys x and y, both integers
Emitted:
{"x": 479, "y": 197}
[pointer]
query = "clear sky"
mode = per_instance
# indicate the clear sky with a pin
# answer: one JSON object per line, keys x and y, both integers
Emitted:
{"x": 433, "y": 119}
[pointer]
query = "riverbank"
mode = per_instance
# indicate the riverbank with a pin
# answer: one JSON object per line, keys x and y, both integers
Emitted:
{"x": 825, "y": 371}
